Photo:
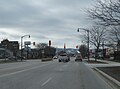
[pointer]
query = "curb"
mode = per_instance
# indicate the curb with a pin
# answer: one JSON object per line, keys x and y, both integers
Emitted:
{"x": 111, "y": 81}
{"x": 46, "y": 59}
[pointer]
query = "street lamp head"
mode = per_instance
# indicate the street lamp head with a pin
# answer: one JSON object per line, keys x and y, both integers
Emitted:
{"x": 78, "y": 30}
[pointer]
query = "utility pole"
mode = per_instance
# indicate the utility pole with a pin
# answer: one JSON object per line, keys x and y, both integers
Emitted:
{"x": 22, "y": 44}
{"x": 103, "y": 49}
{"x": 88, "y": 40}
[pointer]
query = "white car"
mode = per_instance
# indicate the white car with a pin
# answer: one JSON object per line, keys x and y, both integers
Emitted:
{"x": 78, "y": 57}
{"x": 63, "y": 58}
{"x": 55, "y": 57}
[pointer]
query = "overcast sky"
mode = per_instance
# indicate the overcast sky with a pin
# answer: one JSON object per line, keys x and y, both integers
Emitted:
{"x": 44, "y": 20}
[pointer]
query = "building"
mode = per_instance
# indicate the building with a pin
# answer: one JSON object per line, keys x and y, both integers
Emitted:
{"x": 12, "y": 46}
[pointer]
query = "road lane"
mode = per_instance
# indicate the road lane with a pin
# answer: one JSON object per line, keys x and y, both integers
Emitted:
{"x": 6, "y": 69}
{"x": 75, "y": 75}
{"x": 31, "y": 79}
{"x": 54, "y": 75}
{"x": 14, "y": 65}
{"x": 16, "y": 71}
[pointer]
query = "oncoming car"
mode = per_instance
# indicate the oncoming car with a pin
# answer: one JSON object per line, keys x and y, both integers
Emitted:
{"x": 63, "y": 58}
{"x": 55, "y": 57}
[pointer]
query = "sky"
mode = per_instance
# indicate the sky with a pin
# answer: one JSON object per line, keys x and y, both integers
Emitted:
{"x": 44, "y": 20}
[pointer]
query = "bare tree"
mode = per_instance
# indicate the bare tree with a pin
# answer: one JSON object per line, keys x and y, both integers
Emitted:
{"x": 41, "y": 45}
{"x": 106, "y": 12}
{"x": 114, "y": 35}
{"x": 97, "y": 35}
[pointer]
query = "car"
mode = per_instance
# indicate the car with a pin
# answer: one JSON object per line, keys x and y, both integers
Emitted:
{"x": 68, "y": 58}
{"x": 63, "y": 58}
{"x": 78, "y": 57}
{"x": 55, "y": 57}
{"x": 20, "y": 58}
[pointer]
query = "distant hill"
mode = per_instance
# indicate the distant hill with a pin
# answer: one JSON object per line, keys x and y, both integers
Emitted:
{"x": 68, "y": 50}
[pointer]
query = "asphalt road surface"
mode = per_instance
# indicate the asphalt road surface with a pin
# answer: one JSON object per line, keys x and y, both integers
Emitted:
{"x": 49, "y": 75}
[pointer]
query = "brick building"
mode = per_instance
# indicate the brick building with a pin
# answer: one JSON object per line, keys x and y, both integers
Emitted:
{"x": 12, "y": 46}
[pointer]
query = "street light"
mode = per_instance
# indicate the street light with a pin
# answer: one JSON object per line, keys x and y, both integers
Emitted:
{"x": 88, "y": 39}
{"x": 22, "y": 43}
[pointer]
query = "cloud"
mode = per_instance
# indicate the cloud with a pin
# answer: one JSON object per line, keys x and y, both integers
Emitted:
{"x": 43, "y": 19}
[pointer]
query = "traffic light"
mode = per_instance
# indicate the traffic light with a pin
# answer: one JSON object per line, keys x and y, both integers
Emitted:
{"x": 64, "y": 46}
{"x": 77, "y": 46}
{"x": 78, "y": 30}
{"x": 49, "y": 42}
{"x": 34, "y": 43}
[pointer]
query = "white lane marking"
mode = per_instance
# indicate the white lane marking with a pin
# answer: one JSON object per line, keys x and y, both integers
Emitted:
{"x": 46, "y": 81}
{"x": 21, "y": 71}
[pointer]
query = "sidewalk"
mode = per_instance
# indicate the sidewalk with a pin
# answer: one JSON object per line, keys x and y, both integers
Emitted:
{"x": 108, "y": 63}
{"x": 109, "y": 70}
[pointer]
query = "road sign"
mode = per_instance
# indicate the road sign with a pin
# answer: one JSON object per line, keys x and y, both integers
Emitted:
{"x": 27, "y": 42}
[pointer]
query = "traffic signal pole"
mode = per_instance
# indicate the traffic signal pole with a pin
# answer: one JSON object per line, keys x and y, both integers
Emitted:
{"x": 88, "y": 41}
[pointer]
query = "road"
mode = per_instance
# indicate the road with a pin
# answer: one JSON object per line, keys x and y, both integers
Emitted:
{"x": 49, "y": 75}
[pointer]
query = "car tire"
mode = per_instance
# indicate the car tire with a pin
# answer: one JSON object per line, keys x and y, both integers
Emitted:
{"x": 66, "y": 60}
